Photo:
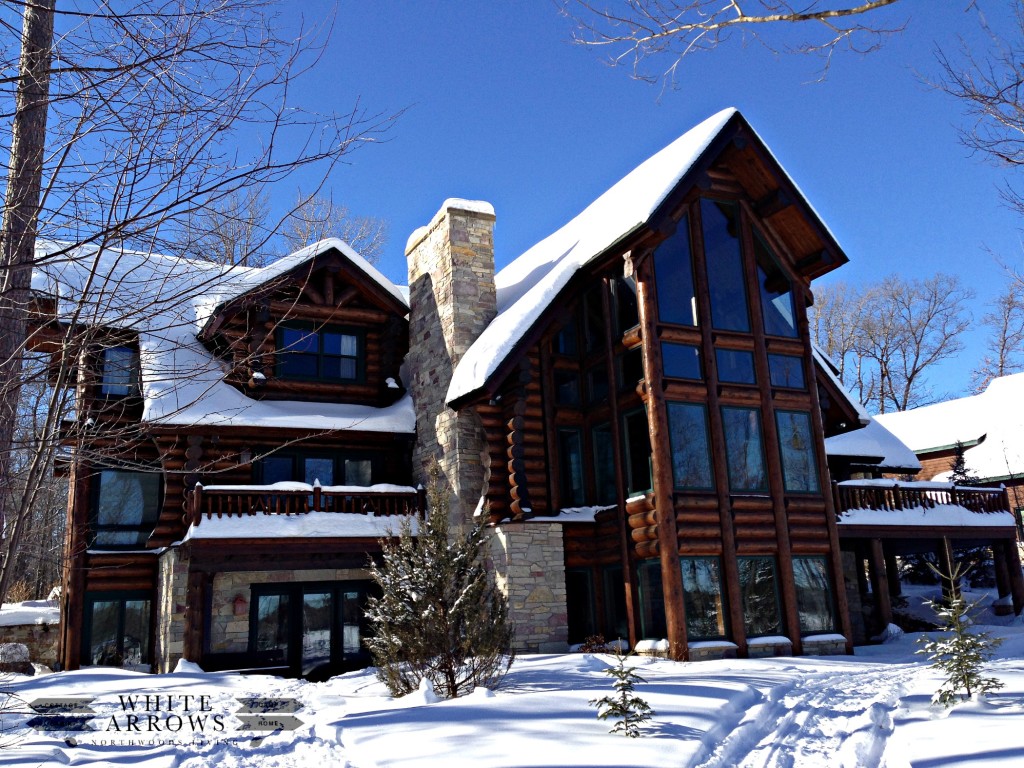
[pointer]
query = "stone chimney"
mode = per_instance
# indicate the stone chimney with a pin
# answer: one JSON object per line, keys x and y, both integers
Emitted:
{"x": 452, "y": 299}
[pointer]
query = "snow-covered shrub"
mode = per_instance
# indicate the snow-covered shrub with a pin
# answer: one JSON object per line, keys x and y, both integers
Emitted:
{"x": 439, "y": 616}
{"x": 627, "y": 709}
{"x": 961, "y": 653}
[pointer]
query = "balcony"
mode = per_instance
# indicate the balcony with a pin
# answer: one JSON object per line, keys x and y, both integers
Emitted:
{"x": 896, "y": 496}
{"x": 300, "y": 498}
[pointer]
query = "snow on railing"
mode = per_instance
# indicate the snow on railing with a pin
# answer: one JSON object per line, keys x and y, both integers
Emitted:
{"x": 901, "y": 495}
{"x": 289, "y": 498}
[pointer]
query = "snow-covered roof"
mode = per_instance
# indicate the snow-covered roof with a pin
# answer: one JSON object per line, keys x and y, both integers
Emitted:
{"x": 873, "y": 441}
{"x": 167, "y": 300}
{"x": 990, "y": 424}
{"x": 530, "y": 283}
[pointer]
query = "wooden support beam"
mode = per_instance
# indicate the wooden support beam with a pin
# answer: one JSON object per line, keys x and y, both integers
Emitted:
{"x": 1016, "y": 576}
{"x": 892, "y": 573}
{"x": 661, "y": 463}
{"x": 880, "y": 583}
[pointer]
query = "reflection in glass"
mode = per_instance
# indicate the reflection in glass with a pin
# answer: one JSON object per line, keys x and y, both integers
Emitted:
{"x": 744, "y": 455}
{"x": 272, "y": 623}
{"x": 776, "y": 298}
{"x": 673, "y": 270}
{"x": 652, "y": 601}
{"x": 127, "y": 507}
{"x": 638, "y": 451}
{"x": 799, "y": 471}
{"x": 786, "y": 371}
{"x": 316, "y": 630}
{"x": 120, "y": 375}
{"x": 604, "y": 464}
{"x": 724, "y": 259}
{"x": 627, "y": 314}
{"x": 567, "y": 388}
{"x": 681, "y": 361}
{"x": 104, "y": 633}
{"x": 760, "y": 596}
{"x": 570, "y": 458}
{"x": 702, "y": 594}
{"x": 735, "y": 366}
{"x": 688, "y": 436}
{"x": 813, "y": 594}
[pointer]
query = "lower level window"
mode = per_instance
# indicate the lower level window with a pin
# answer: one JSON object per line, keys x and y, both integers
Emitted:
{"x": 116, "y": 630}
{"x": 760, "y": 596}
{"x": 313, "y": 629}
{"x": 813, "y": 594}
{"x": 702, "y": 595}
{"x": 652, "y": 600}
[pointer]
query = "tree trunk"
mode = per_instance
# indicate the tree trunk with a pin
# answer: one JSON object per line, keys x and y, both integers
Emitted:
{"x": 18, "y": 237}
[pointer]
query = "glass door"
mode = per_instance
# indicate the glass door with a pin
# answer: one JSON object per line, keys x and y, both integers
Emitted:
{"x": 317, "y": 612}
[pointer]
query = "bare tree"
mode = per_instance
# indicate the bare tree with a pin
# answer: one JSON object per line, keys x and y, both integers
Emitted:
{"x": 128, "y": 124}
{"x": 663, "y": 32}
{"x": 1004, "y": 348}
{"x": 886, "y": 337}
{"x": 319, "y": 217}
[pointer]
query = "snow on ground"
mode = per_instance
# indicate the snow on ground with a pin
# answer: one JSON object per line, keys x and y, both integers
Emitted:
{"x": 872, "y": 709}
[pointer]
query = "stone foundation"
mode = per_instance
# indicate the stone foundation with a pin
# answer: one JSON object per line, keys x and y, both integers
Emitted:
{"x": 824, "y": 645}
{"x": 529, "y": 566}
{"x": 40, "y": 639}
{"x": 766, "y": 647}
{"x": 711, "y": 650}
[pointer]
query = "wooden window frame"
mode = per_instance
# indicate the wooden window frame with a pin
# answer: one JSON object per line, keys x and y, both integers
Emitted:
{"x": 281, "y": 351}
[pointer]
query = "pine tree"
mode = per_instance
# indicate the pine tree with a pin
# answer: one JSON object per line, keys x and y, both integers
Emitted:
{"x": 959, "y": 474}
{"x": 961, "y": 654}
{"x": 439, "y": 615}
{"x": 628, "y": 709}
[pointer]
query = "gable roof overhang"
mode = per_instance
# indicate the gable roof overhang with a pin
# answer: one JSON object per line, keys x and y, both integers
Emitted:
{"x": 726, "y": 135}
{"x": 297, "y": 269}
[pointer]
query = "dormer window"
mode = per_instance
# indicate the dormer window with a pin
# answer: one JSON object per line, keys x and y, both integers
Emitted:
{"x": 120, "y": 372}
{"x": 326, "y": 353}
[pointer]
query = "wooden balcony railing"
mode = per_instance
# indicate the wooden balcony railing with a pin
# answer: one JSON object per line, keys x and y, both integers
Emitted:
{"x": 894, "y": 495}
{"x": 300, "y": 498}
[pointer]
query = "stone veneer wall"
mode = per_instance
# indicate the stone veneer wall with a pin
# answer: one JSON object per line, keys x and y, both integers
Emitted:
{"x": 171, "y": 583}
{"x": 528, "y": 561}
{"x": 230, "y": 633}
{"x": 40, "y": 639}
{"x": 452, "y": 299}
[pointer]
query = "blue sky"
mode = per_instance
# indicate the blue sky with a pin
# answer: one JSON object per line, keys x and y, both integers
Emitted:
{"x": 501, "y": 106}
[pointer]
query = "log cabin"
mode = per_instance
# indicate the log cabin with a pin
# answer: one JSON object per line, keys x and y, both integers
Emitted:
{"x": 634, "y": 406}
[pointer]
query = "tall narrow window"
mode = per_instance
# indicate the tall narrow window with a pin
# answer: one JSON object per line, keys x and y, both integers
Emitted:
{"x": 637, "y": 440}
{"x": 813, "y": 594}
{"x": 579, "y": 604}
{"x": 743, "y": 449}
{"x": 570, "y": 464}
{"x": 776, "y": 295}
{"x": 120, "y": 375}
{"x": 688, "y": 434}
{"x": 760, "y": 596}
{"x": 616, "y": 621}
{"x": 125, "y": 507}
{"x": 627, "y": 315}
{"x": 604, "y": 464}
{"x": 799, "y": 469}
{"x": 702, "y": 595}
{"x": 724, "y": 259}
{"x": 116, "y": 629}
{"x": 673, "y": 269}
{"x": 593, "y": 319}
{"x": 652, "y": 600}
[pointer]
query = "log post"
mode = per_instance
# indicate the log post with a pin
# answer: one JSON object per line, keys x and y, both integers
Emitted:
{"x": 880, "y": 583}
{"x": 661, "y": 464}
{"x": 1016, "y": 577}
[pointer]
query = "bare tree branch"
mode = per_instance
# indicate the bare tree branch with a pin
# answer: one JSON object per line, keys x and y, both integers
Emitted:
{"x": 664, "y": 32}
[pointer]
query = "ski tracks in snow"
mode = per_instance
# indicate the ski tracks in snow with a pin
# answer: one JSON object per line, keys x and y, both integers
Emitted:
{"x": 823, "y": 719}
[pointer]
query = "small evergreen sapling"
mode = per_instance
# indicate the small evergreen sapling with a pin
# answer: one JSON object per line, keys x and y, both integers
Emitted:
{"x": 961, "y": 654}
{"x": 628, "y": 709}
{"x": 439, "y": 616}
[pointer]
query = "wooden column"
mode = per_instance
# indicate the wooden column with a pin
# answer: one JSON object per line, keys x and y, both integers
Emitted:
{"x": 661, "y": 463}
{"x": 196, "y": 597}
{"x": 892, "y": 573}
{"x": 1016, "y": 576}
{"x": 1002, "y": 568}
{"x": 626, "y": 551}
{"x": 880, "y": 584}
